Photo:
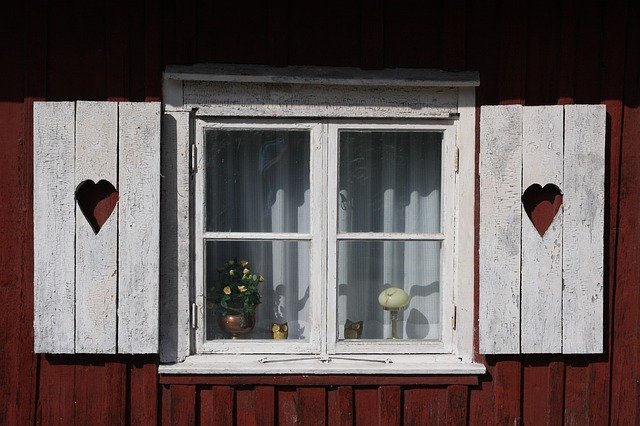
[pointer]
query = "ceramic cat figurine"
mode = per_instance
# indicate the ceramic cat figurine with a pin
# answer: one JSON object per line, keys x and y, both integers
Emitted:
{"x": 280, "y": 331}
{"x": 352, "y": 330}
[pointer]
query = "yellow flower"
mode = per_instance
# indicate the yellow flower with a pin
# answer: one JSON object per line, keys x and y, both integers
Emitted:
{"x": 242, "y": 288}
{"x": 232, "y": 272}
{"x": 246, "y": 271}
{"x": 244, "y": 263}
{"x": 260, "y": 278}
{"x": 227, "y": 290}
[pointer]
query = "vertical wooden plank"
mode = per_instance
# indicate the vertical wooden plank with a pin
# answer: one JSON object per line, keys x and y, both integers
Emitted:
{"x": 139, "y": 227}
{"x": 287, "y": 412}
{"x": 54, "y": 226}
{"x": 365, "y": 405}
{"x": 340, "y": 405}
{"x": 456, "y": 408}
{"x": 625, "y": 368}
{"x": 100, "y": 392}
{"x": 96, "y": 253}
{"x": 500, "y": 223}
{"x": 183, "y": 405}
{"x": 245, "y": 406}
{"x": 583, "y": 254}
{"x": 265, "y": 405}
{"x": 56, "y": 400}
{"x": 175, "y": 248}
{"x": 389, "y": 405}
{"x": 165, "y": 405}
{"x": 372, "y": 35}
{"x": 423, "y": 405}
{"x": 541, "y": 279}
{"x": 143, "y": 391}
{"x": 542, "y": 390}
{"x": 216, "y": 405}
{"x": 312, "y": 405}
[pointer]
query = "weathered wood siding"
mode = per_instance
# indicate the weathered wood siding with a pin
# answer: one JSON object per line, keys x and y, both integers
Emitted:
{"x": 544, "y": 53}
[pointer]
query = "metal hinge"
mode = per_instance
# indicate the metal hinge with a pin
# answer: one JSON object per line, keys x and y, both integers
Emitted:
{"x": 194, "y": 158}
{"x": 194, "y": 316}
{"x": 456, "y": 160}
{"x": 454, "y": 318}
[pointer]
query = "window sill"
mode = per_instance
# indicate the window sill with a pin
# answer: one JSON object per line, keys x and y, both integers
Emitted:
{"x": 338, "y": 364}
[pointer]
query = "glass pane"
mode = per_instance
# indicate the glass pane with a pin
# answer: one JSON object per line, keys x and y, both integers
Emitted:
{"x": 284, "y": 293}
{"x": 257, "y": 180}
{"x": 389, "y": 181}
{"x": 366, "y": 268}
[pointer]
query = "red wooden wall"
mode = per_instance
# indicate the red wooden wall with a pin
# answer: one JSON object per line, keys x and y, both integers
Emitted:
{"x": 547, "y": 52}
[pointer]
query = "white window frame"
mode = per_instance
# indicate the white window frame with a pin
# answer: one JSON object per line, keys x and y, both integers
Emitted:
{"x": 400, "y": 96}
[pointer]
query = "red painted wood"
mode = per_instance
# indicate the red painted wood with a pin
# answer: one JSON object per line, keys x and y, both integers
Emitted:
{"x": 340, "y": 405}
{"x": 318, "y": 380}
{"x": 100, "y": 393}
{"x": 245, "y": 406}
{"x": 278, "y": 32}
{"x": 216, "y": 405}
{"x": 372, "y": 35}
{"x": 454, "y": 22}
{"x": 286, "y": 405}
{"x": 265, "y": 404}
{"x": 390, "y": 405}
{"x": 311, "y": 405}
{"x": 625, "y": 365}
{"x": 165, "y": 405}
{"x": 183, "y": 405}
{"x": 56, "y": 391}
{"x": 456, "y": 405}
{"x": 143, "y": 389}
{"x": 543, "y": 389}
{"x": 424, "y": 405}
{"x": 365, "y": 405}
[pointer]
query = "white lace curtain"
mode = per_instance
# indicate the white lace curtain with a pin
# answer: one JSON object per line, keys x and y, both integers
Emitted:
{"x": 258, "y": 181}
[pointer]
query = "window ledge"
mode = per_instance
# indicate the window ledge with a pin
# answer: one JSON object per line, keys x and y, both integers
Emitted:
{"x": 310, "y": 364}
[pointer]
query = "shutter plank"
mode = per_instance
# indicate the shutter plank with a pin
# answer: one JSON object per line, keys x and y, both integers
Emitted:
{"x": 541, "y": 285}
{"x": 500, "y": 223}
{"x": 139, "y": 230}
{"x": 583, "y": 250}
{"x": 54, "y": 229}
{"x": 96, "y": 254}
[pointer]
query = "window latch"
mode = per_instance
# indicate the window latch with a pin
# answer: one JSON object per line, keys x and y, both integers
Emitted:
{"x": 194, "y": 158}
{"x": 324, "y": 359}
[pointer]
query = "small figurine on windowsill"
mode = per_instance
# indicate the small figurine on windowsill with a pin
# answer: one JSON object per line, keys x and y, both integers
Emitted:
{"x": 280, "y": 331}
{"x": 352, "y": 330}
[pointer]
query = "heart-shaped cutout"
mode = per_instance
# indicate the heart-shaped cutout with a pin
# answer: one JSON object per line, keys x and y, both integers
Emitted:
{"x": 96, "y": 201}
{"x": 542, "y": 205}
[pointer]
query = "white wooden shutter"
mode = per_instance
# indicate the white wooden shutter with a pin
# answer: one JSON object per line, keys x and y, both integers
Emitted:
{"x": 96, "y": 227}
{"x": 541, "y": 284}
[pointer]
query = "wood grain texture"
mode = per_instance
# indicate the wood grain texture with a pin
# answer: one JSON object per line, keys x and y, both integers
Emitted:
{"x": 96, "y": 159}
{"x": 216, "y": 402}
{"x": 245, "y": 406}
{"x": 500, "y": 223}
{"x": 340, "y": 405}
{"x": 54, "y": 227}
{"x": 233, "y": 99}
{"x": 143, "y": 390}
{"x": 583, "y": 247}
{"x": 311, "y": 405}
{"x": 182, "y": 405}
{"x": 541, "y": 275}
{"x": 175, "y": 249}
{"x": 139, "y": 230}
{"x": 390, "y": 403}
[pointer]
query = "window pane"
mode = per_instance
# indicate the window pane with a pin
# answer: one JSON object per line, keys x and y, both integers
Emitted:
{"x": 284, "y": 292}
{"x": 389, "y": 181}
{"x": 366, "y": 268}
{"x": 257, "y": 180}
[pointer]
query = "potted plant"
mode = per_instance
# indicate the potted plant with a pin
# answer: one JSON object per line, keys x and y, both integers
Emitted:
{"x": 235, "y": 295}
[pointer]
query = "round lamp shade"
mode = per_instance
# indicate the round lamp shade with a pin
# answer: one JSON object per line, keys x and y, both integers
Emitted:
{"x": 393, "y": 298}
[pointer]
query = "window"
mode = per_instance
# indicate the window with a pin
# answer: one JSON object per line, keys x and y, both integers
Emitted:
{"x": 333, "y": 193}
